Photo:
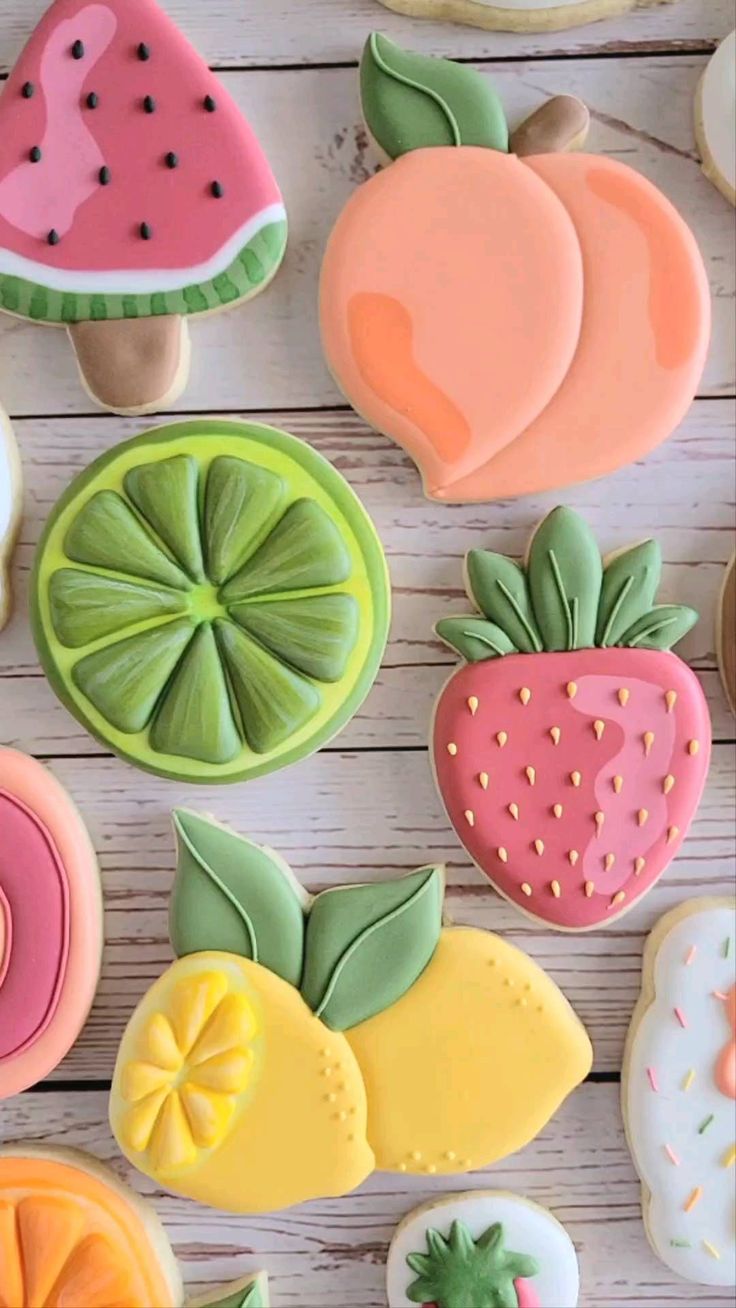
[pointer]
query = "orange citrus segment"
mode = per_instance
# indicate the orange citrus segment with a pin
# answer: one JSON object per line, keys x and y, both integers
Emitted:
{"x": 48, "y": 1229}
{"x": 94, "y": 1276}
{"x": 11, "y": 1288}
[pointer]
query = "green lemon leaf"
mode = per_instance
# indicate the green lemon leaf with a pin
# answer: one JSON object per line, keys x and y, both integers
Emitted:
{"x": 165, "y": 493}
{"x": 85, "y": 607}
{"x": 234, "y": 896}
{"x": 498, "y": 587}
{"x": 195, "y": 719}
{"x": 630, "y": 583}
{"x": 273, "y": 701}
{"x": 660, "y": 628}
{"x": 316, "y": 635}
{"x": 474, "y": 638}
{"x": 411, "y": 101}
{"x": 565, "y": 573}
{"x": 367, "y": 945}
{"x": 107, "y": 534}
{"x": 239, "y": 502}
{"x": 125, "y": 680}
{"x": 304, "y": 550}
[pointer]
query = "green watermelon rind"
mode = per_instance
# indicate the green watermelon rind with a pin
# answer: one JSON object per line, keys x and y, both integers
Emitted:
{"x": 255, "y": 264}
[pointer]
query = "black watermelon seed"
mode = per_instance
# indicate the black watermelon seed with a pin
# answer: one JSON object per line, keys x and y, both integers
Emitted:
{"x": 27, "y": 90}
{"x": 53, "y": 237}
{"x": 210, "y": 104}
{"x": 78, "y": 50}
{"x": 93, "y": 100}
{"x": 218, "y": 190}
{"x": 172, "y": 160}
{"x": 144, "y": 54}
{"x": 149, "y": 104}
{"x": 146, "y": 232}
{"x": 35, "y": 154}
{"x": 104, "y": 175}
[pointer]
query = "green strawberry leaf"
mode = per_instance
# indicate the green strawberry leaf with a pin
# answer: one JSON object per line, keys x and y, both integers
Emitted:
{"x": 125, "y": 680}
{"x": 240, "y": 500}
{"x": 166, "y": 494}
{"x": 498, "y": 587}
{"x": 86, "y": 606}
{"x": 234, "y": 896}
{"x": 107, "y": 534}
{"x": 315, "y": 635}
{"x": 474, "y": 638}
{"x": 195, "y": 719}
{"x": 630, "y": 583}
{"x": 565, "y": 574}
{"x": 411, "y": 101}
{"x": 304, "y": 550}
{"x": 367, "y": 945}
{"x": 660, "y": 628}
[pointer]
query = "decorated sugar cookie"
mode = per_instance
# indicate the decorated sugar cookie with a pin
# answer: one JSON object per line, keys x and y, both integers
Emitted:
{"x": 293, "y": 1032}
{"x": 679, "y": 1088}
{"x": 715, "y": 118}
{"x": 50, "y": 923}
{"x": 474, "y": 305}
{"x": 485, "y": 1248}
{"x": 133, "y": 194}
{"x": 10, "y": 508}
{"x": 211, "y": 600}
{"x": 249, "y": 1292}
{"x": 516, "y": 15}
{"x": 572, "y": 748}
{"x": 726, "y": 634}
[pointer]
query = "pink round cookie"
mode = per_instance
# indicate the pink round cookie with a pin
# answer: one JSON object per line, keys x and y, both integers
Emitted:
{"x": 50, "y": 923}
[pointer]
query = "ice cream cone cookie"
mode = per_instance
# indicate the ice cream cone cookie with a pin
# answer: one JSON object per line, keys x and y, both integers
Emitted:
{"x": 715, "y": 119}
{"x": 293, "y": 1032}
{"x": 50, "y": 923}
{"x": 726, "y": 634}
{"x": 10, "y": 510}
{"x": 679, "y": 1088}
{"x": 485, "y": 1248}
{"x": 472, "y": 304}
{"x": 516, "y": 15}
{"x": 133, "y": 196}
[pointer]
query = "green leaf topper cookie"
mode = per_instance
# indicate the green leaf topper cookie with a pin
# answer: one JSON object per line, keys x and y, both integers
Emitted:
{"x": 251, "y": 1292}
{"x": 211, "y": 600}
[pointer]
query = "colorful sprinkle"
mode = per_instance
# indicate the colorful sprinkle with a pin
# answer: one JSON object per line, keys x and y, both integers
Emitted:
{"x": 719, "y": 994}
{"x": 672, "y": 1155}
{"x": 575, "y": 778}
{"x": 692, "y": 951}
{"x": 726, "y": 947}
{"x": 598, "y": 728}
{"x": 558, "y": 810}
{"x": 525, "y": 695}
{"x": 693, "y": 1198}
{"x": 711, "y": 1249}
{"x": 526, "y": 888}
{"x": 589, "y": 889}
{"x": 483, "y": 779}
{"x": 670, "y": 699}
{"x": 729, "y": 1158}
{"x": 668, "y": 783}
{"x": 555, "y": 733}
{"x": 573, "y": 856}
{"x": 501, "y": 737}
{"x": 572, "y": 689}
{"x": 539, "y": 846}
{"x": 503, "y": 854}
{"x": 452, "y": 748}
{"x": 639, "y": 865}
{"x": 470, "y": 817}
{"x": 706, "y": 1123}
{"x": 473, "y": 704}
{"x": 618, "y": 784}
{"x": 514, "y": 811}
{"x": 653, "y": 1079}
{"x": 693, "y": 746}
{"x": 531, "y": 775}
{"x": 555, "y": 888}
{"x": 689, "y": 1078}
{"x": 681, "y": 1244}
{"x": 623, "y": 697}
{"x": 681, "y": 1018}
{"x": 648, "y": 739}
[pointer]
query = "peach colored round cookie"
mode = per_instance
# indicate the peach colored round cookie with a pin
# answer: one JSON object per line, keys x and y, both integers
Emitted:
{"x": 50, "y": 923}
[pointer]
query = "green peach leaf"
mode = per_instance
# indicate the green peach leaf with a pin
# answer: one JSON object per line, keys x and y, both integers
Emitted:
{"x": 85, "y": 606}
{"x": 367, "y": 945}
{"x": 107, "y": 534}
{"x": 240, "y": 500}
{"x": 661, "y": 628}
{"x": 565, "y": 574}
{"x": 274, "y": 702}
{"x": 124, "y": 681}
{"x": 195, "y": 719}
{"x": 234, "y": 896}
{"x": 315, "y": 635}
{"x": 305, "y": 550}
{"x": 474, "y": 638}
{"x": 166, "y": 494}
{"x": 499, "y": 588}
{"x": 630, "y": 584}
{"x": 411, "y": 101}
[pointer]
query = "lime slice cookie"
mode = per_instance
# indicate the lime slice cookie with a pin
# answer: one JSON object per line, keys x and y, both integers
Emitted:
{"x": 210, "y": 600}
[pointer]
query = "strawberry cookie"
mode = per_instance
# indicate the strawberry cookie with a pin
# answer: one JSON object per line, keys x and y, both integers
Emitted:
{"x": 715, "y": 118}
{"x": 133, "y": 194}
{"x": 679, "y": 1090}
{"x": 572, "y": 749}
{"x": 516, "y": 15}
{"x": 292, "y": 1032}
{"x": 472, "y": 300}
{"x": 50, "y": 923}
{"x": 10, "y": 509}
{"x": 485, "y": 1248}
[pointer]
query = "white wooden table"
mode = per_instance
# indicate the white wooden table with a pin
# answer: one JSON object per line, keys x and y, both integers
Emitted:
{"x": 339, "y": 816}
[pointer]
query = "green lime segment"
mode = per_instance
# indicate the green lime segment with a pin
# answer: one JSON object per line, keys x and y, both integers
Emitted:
{"x": 211, "y": 600}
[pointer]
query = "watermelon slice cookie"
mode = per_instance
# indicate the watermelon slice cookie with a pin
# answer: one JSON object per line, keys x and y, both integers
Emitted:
{"x": 133, "y": 194}
{"x": 572, "y": 749}
{"x": 211, "y": 600}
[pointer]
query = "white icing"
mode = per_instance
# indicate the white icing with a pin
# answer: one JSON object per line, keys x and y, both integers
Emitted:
{"x": 527, "y": 1228}
{"x": 132, "y": 281}
{"x": 719, "y": 108}
{"x": 672, "y": 1115}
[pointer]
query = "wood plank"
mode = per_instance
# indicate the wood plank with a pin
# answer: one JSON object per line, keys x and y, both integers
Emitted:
{"x": 248, "y": 33}
{"x": 267, "y": 354}
{"x": 331, "y": 1253}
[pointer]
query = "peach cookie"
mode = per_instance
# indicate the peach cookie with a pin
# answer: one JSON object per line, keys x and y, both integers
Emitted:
{"x": 10, "y": 507}
{"x": 726, "y": 634}
{"x": 715, "y": 118}
{"x": 517, "y": 15}
{"x": 50, "y": 923}
{"x": 572, "y": 749}
{"x": 472, "y": 303}
{"x": 486, "y": 1248}
{"x": 286, "y": 1053}
{"x": 679, "y": 1087}
{"x": 133, "y": 195}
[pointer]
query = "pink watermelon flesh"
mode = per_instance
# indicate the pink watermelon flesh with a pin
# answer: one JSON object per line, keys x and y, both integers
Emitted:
{"x": 148, "y": 173}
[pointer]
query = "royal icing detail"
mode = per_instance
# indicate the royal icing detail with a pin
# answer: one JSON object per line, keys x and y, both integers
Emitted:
{"x": 293, "y": 1032}
{"x": 484, "y": 1248}
{"x": 679, "y": 1090}
{"x": 716, "y": 118}
{"x": 457, "y": 244}
{"x": 50, "y": 923}
{"x": 212, "y": 600}
{"x": 606, "y": 734}
{"x": 10, "y": 495}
